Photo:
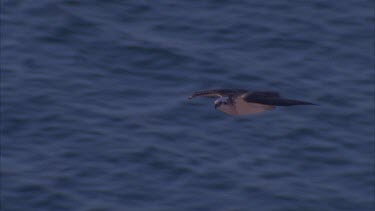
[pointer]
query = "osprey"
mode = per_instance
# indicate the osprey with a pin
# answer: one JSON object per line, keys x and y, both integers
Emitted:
{"x": 242, "y": 102}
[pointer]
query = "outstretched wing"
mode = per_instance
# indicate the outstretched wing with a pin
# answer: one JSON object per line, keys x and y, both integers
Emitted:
{"x": 263, "y": 94}
{"x": 265, "y": 98}
{"x": 216, "y": 93}
{"x": 271, "y": 98}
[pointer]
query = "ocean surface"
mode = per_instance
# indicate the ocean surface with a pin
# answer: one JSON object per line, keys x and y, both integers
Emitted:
{"x": 95, "y": 115}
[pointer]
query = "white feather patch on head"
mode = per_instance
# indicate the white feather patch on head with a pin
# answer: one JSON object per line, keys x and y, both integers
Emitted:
{"x": 221, "y": 100}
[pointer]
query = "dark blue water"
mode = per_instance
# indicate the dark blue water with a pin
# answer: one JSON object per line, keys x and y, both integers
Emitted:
{"x": 95, "y": 116}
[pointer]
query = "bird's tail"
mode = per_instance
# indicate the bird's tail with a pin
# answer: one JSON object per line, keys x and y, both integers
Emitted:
{"x": 288, "y": 102}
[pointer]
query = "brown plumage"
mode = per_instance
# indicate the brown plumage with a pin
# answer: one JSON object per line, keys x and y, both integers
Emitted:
{"x": 242, "y": 102}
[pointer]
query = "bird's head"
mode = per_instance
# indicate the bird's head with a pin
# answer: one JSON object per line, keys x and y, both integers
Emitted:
{"x": 221, "y": 101}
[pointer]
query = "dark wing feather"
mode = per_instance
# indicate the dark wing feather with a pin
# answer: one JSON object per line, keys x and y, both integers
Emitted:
{"x": 266, "y": 98}
{"x": 266, "y": 94}
{"x": 218, "y": 93}
{"x": 271, "y": 98}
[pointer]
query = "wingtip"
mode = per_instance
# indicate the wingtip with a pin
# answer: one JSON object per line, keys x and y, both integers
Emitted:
{"x": 192, "y": 96}
{"x": 309, "y": 103}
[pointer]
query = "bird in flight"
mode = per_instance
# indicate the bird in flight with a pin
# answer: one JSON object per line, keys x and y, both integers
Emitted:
{"x": 243, "y": 102}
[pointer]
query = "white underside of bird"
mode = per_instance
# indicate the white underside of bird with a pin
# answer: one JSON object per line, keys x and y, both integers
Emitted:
{"x": 243, "y": 108}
